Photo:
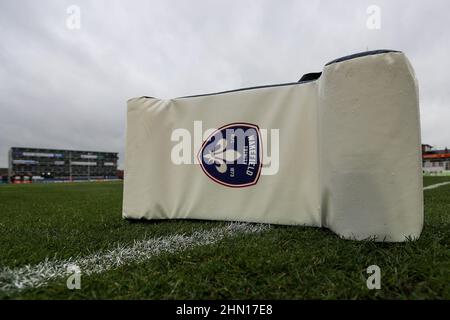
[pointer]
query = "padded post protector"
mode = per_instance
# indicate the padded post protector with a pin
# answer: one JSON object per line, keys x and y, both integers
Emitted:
{"x": 341, "y": 151}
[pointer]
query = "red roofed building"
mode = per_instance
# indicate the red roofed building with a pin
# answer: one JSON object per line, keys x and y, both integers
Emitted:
{"x": 435, "y": 160}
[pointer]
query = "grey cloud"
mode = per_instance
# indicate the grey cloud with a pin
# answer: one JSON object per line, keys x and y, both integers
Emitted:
{"x": 68, "y": 88}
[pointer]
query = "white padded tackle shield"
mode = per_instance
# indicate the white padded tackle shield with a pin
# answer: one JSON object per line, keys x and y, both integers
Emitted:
{"x": 339, "y": 150}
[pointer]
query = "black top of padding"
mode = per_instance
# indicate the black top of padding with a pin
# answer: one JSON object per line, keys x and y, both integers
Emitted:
{"x": 310, "y": 76}
{"x": 360, "y": 54}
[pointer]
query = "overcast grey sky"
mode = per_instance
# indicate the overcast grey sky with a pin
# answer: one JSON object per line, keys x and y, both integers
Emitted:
{"x": 66, "y": 88}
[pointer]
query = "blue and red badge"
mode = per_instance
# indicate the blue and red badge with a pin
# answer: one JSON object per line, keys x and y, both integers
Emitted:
{"x": 232, "y": 155}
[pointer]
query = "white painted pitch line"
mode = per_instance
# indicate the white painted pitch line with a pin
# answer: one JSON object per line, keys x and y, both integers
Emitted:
{"x": 34, "y": 276}
{"x": 437, "y": 185}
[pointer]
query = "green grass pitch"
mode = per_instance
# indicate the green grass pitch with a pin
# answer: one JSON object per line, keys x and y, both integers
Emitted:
{"x": 59, "y": 221}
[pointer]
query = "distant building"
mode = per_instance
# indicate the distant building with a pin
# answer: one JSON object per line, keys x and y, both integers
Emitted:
{"x": 426, "y": 148}
{"x": 435, "y": 160}
{"x": 36, "y": 164}
{"x": 3, "y": 175}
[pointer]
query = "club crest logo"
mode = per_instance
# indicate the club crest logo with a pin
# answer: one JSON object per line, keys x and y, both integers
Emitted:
{"x": 232, "y": 155}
